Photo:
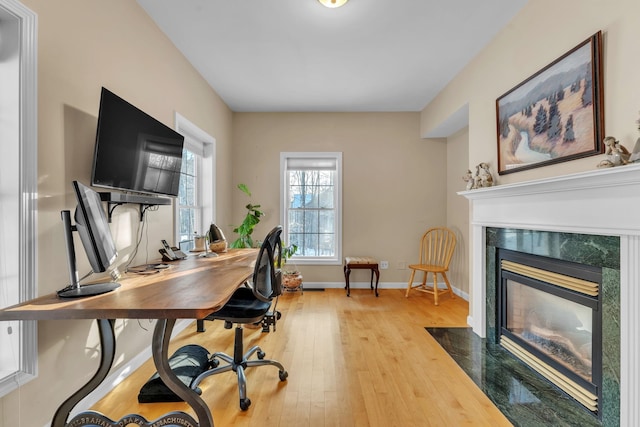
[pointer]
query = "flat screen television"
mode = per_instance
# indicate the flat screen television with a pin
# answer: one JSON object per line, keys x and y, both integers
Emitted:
{"x": 93, "y": 228}
{"x": 133, "y": 151}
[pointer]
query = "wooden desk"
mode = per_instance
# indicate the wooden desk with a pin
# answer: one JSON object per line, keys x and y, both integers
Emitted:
{"x": 190, "y": 289}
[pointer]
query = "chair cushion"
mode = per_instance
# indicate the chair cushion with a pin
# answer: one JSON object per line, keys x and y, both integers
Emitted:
{"x": 187, "y": 363}
{"x": 360, "y": 260}
{"x": 242, "y": 307}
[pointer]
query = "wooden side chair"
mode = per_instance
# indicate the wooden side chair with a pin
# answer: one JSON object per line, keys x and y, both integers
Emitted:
{"x": 436, "y": 249}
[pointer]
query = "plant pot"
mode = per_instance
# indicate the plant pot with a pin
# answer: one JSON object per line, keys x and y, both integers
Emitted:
{"x": 292, "y": 280}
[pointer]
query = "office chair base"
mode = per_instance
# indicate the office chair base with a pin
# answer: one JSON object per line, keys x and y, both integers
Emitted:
{"x": 238, "y": 363}
{"x": 245, "y": 403}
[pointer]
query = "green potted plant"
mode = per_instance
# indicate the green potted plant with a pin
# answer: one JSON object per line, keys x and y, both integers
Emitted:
{"x": 251, "y": 219}
{"x": 287, "y": 252}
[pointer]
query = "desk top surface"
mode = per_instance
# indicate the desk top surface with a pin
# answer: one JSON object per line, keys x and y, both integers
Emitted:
{"x": 189, "y": 289}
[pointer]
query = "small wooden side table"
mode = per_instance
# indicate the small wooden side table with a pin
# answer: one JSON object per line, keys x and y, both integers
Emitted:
{"x": 361, "y": 262}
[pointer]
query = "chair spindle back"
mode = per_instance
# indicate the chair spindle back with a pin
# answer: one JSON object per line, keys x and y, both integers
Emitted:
{"x": 437, "y": 247}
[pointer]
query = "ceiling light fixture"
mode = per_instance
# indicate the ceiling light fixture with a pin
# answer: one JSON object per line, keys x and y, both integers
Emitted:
{"x": 333, "y": 3}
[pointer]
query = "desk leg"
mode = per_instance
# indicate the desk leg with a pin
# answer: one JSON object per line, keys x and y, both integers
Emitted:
{"x": 160, "y": 347}
{"x": 107, "y": 354}
{"x": 160, "y": 350}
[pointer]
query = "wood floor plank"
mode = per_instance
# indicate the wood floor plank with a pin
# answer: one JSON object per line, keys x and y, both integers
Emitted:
{"x": 357, "y": 361}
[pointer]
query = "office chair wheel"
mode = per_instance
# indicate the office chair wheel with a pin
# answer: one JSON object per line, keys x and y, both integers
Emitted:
{"x": 278, "y": 315}
{"x": 245, "y": 403}
{"x": 213, "y": 363}
{"x": 283, "y": 375}
{"x": 260, "y": 354}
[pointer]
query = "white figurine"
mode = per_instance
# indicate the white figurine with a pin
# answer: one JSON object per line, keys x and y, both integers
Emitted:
{"x": 482, "y": 178}
{"x": 486, "y": 178}
{"x": 468, "y": 178}
{"x": 477, "y": 180}
{"x": 617, "y": 154}
{"x": 635, "y": 154}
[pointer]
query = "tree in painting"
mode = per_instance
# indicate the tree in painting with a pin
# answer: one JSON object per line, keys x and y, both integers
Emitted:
{"x": 541, "y": 123}
{"x": 555, "y": 126}
{"x": 569, "y": 135}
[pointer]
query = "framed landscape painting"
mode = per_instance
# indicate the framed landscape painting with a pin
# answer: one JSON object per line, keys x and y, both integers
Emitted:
{"x": 555, "y": 115}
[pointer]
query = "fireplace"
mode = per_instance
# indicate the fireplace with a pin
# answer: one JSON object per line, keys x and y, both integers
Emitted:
{"x": 601, "y": 203}
{"x": 550, "y": 317}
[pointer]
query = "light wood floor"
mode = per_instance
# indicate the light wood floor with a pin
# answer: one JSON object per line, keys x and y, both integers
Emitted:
{"x": 358, "y": 361}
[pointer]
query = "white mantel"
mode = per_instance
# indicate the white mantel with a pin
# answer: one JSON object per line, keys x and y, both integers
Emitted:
{"x": 602, "y": 202}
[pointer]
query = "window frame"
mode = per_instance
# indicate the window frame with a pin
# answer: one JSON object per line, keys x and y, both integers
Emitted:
{"x": 336, "y": 259}
{"x": 205, "y": 144}
{"x": 198, "y": 199}
{"x": 20, "y": 30}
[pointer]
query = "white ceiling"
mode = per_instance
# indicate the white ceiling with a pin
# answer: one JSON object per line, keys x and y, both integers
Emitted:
{"x": 296, "y": 55}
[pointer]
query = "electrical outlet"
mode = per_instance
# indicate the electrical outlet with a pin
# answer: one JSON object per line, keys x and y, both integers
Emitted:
{"x": 401, "y": 265}
{"x": 384, "y": 265}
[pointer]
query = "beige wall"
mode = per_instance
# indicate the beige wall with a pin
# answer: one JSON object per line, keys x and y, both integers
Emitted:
{"x": 83, "y": 45}
{"x": 533, "y": 39}
{"x": 393, "y": 183}
{"x": 458, "y": 207}
{"x": 543, "y": 31}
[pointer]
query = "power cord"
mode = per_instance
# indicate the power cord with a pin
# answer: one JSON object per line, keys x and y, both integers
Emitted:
{"x": 139, "y": 233}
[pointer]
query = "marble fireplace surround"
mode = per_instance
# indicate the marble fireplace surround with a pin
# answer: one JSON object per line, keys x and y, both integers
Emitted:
{"x": 601, "y": 202}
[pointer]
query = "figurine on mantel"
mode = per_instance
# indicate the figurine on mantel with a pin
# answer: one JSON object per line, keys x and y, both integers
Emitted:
{"x": 468, "y": 178}
{"x": 635, "y": 154}
{"x": 482, "y": 178}
{"x": 617, "y": 154}
{"x": 486, "y": 178}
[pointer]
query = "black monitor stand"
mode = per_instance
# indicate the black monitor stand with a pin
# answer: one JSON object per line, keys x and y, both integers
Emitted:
{"x": 75, "y": 289}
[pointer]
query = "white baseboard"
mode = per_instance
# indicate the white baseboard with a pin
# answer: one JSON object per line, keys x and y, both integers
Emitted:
{"x": 381, "y": 285}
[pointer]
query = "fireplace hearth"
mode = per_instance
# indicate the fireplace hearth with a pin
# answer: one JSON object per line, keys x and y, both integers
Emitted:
{"x": 550, "y": 318}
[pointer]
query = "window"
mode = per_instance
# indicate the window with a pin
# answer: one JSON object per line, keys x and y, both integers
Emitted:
{"x": 195, "y": 202}
{"x": 18, "y": 186}
{"x": 311, "y": 202}
{"x": 189, "y": 199}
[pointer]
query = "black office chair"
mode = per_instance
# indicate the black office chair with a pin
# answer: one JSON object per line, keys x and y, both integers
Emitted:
{"x": 251, "y": 304}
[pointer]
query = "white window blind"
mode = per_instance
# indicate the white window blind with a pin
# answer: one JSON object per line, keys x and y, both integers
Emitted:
{"x": 311, "y": 163}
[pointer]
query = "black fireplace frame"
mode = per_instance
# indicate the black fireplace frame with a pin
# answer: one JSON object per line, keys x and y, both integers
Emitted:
{"x": 568, "y": 268}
